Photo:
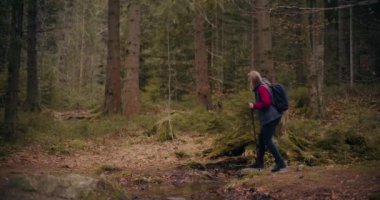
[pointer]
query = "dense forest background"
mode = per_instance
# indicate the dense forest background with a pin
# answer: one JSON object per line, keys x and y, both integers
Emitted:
{"x": 181, "y": 65}
{"x": 144, "y": 93}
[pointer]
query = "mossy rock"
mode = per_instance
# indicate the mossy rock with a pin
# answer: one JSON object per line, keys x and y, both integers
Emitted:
{"x": 48, "y": 187}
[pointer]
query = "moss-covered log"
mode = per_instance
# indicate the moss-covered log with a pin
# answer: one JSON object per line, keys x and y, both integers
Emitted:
{"x": 231, "y": 145}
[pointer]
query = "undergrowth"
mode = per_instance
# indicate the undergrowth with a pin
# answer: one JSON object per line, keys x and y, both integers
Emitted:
{"x": 349, "y": 133}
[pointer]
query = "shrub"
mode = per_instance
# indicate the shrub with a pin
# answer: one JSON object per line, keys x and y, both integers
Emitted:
{"x": 300, "y": 96}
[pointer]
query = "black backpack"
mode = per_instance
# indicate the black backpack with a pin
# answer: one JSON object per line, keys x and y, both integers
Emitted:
{"x": 279, "y": 97}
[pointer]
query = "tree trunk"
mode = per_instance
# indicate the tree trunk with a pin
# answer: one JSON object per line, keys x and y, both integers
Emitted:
{"x": 316, "y": 69}
{"x": 255, "y": 56}
{"x": 343, "y": 42}
{"x": 169, "y": 80}
{"x": 4, "y": 33}
{"x": 203, "y": 84}
{"x": 32, "y": 100}
{"x": 82, "y": 47}
{"x": 264, "y": 38}
{"x": 302, "y": 49}
{"x": 11, "y": 100}
{"x": 112, "y": 103}
{"x": 306, "y": 32}
{"x": 351, "y": 49}
{"x": 131, "y": 84}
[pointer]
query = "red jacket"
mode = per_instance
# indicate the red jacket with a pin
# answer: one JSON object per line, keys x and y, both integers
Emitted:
{"x": 266, "y": 101}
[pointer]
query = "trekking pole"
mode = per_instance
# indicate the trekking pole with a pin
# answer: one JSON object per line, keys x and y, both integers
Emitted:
{"x": 253, "y": 124}
{"x": 254, "y": 133}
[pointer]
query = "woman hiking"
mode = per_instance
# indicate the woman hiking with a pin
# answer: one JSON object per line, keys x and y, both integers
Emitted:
{"x": 269, "y": 119}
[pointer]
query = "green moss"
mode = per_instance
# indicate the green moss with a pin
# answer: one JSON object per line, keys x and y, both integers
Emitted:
{"x": 231, "y": 145}
{"x": 199, "y": 120}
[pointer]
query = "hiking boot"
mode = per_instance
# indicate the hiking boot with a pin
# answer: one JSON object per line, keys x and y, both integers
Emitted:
{"x": 278, "y": 167}
{"x": 257, "y": 165}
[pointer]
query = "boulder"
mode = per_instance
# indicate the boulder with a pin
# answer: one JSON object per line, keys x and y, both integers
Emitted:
{"x": 48, "y": 187}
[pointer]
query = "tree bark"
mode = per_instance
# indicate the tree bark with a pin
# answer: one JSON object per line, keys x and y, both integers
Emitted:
{"x": 343, "y": 42}
{"x": 82, "y": 46}
{"x": 11, "y": 100}
{"x": 255, "y": 55}
{"x": 264, "y": 40}
{"x": 301, "y": 68}
{"x": 316, "y": 69}
{"x": 201, "y": 62}
{"x": 33, "y": 98}
{"x": 4, "y": 34}
{"x": 131, "y": 84}
{"x": 112, "y": 103}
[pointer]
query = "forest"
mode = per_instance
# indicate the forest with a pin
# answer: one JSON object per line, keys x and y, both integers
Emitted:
{"x": 147, "y": 99}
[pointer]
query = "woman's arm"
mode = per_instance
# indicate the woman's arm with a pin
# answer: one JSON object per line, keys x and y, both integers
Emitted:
{"x": 265, "y": 99}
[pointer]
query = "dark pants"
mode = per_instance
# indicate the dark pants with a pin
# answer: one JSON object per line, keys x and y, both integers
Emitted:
{"x": 265, "y": 141}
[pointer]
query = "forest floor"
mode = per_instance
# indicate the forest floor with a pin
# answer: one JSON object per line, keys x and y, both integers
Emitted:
{"x": 137, "y": 163}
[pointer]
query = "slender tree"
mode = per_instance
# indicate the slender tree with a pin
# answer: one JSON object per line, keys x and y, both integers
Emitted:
{"x": 343, "y": 41}
{"x": 264, "y": 39}
{"x": 316, "y": 67}
{"x": 32, "y": 99}
{"x": 254, "y": 37}
{"x": 11, "y": 100}
{"x": 300, "y": 68}
{"x": 4, "y": 33}
{"x": 112, "y": 103}
{"x": 201, "y": 61}
{"x": 132, "y": 65}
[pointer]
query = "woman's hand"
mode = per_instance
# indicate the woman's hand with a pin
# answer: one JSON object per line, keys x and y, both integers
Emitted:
{"x": 250, "y": 105}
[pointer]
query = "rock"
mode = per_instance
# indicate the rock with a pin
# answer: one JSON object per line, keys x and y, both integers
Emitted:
{"x": 48, "y": 187}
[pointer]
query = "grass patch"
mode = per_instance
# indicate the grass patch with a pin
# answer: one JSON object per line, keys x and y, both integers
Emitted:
{"x": 62, "y": 136}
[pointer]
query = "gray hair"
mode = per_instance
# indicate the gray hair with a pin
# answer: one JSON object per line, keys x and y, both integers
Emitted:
{"x": 254, "y": 77}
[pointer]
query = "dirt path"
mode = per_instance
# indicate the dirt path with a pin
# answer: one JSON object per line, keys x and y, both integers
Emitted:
{"x": 135, "y": 158}
{"x": 329, "y": 182}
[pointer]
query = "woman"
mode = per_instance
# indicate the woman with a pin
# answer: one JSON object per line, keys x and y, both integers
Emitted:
{"x": 269, "y": 119}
